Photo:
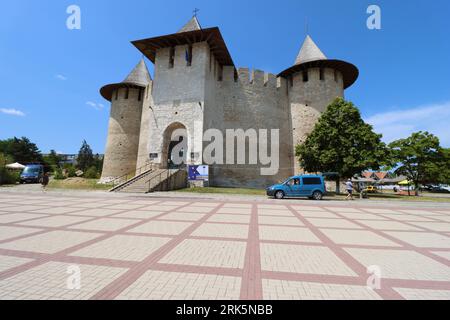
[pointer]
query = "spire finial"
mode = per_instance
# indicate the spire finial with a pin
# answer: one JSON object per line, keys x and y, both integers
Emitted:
{"x": 196, "y": 10}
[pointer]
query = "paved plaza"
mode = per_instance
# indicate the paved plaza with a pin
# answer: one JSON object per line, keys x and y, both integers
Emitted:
{"x": 102, "y": 246}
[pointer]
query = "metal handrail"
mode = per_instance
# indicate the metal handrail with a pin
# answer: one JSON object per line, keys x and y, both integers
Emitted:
{"x": 166, "y": 172}
{"x": 153, "y": 178}
{"x": 124, "y": 178}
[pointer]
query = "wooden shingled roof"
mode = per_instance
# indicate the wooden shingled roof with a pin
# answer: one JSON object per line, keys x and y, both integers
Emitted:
{"x": 211, "y": 35}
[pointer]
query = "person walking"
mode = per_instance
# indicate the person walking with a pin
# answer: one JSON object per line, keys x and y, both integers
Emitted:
{"x": 349, "y": 187}
{"x": 45, "y": 180}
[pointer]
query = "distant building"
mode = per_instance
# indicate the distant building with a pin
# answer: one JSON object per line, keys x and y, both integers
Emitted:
{"x": 380, "y": 177}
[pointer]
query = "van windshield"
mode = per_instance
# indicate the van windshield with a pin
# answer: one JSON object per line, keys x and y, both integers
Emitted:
{"x": 31, "y": 170}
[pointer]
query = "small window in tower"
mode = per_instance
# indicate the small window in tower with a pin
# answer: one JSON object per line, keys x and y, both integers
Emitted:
{"x": 236, "y": 76}
{"x": 189, "y": 56}
{"x": 305, "y": 76}
{"x": 140, "y": 94}
{"x": 220, "y": 75}
{"x": 291, "y": 81}
{"x": 322, "y": 74}
{"x": 171, "y": 57}
{"x": 117, "y": 94}
{"x": 127, "y": 93}
{"x": 335, "y": 75}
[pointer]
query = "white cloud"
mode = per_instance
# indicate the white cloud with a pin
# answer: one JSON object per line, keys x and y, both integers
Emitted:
{"x": 12, "y": 112}
{"x": 61, "y": 77}
{"x": 434, "y": 118}
{"x": 96, "y": 106}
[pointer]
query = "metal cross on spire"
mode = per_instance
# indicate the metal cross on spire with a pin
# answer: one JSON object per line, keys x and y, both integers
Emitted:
{"x": 196, "y": 10}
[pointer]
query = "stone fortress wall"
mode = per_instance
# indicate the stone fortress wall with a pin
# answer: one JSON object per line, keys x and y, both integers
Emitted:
{"x": 200, "y": 93}
{"x": 123, "y": 133}
{"x": 224, "y": 98}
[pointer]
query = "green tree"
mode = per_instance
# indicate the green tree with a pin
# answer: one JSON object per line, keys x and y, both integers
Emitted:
{"x": 85, "y": 157}
{"x": 7, "y": 177}
{"x": 342, "y": 142}
{"x": 98, "y": 163}
{"x": 52, "y": 159}
{"x": 91, "y": 173}
{"x": 21, "y": 150}
{"x": 444, "y": 172}
{"x": 421, "y": 159}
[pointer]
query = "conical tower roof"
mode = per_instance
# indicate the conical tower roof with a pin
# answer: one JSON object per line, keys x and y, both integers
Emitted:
{"x": 309, "y": 52}
{"x": 139, "y": 77}
{"x": 310, "y": 56}
{"x": 192, "y": 25}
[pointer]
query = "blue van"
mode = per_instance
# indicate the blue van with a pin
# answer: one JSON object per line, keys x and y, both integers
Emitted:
{"x": 308, "y": 186}
{"x": 32, "y": 173}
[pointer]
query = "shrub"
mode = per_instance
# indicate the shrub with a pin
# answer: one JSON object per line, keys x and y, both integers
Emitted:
{"x": 6, "y": 176}
{"x": 9, "y": 177}
{"x": 91, "y": 173}
{"x": 59, "y": 174}
{"x": 71, "y": 172}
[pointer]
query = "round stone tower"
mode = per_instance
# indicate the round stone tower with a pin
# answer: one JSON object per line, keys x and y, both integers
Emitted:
{"x": 313, "y": 83}
{"x": 127, "y": 99}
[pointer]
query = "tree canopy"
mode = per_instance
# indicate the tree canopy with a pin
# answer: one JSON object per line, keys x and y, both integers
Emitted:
{"x": 342, "y": 142}
{"x": 85, "y": 157}
{"x": 21, "y": 150}
{"x": 421, "y": 159}
{"x": 53, "y": 158}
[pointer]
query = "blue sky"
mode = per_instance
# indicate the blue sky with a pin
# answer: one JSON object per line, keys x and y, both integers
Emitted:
{"x": 50, "y": 76}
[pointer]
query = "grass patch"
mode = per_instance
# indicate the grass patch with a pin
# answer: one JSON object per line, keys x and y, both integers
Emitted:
{"x": 78, "y": 184}
{"x": 239, "y": 191}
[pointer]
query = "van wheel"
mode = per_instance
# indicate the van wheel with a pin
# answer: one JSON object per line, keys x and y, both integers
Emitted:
{"x": 279, "y": 195}
{"x": 317, "y": 195}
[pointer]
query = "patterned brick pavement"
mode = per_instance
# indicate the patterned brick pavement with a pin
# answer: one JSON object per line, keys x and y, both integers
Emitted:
{"x": 138, "y": 248}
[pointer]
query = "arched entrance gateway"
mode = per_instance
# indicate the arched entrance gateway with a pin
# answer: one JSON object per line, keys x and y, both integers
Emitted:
{"x": 175, "y": 146}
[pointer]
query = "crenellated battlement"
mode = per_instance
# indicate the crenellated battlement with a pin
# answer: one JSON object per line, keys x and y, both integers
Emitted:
{"x": 249, "y": 78}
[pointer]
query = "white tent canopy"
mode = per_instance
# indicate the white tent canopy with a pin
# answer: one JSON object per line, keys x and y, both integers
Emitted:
{"x": 16, "y": 166}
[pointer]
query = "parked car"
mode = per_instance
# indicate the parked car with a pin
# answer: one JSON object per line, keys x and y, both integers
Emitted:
{"x": 427, "y": 187}
{"x": 371, "y": 189}
{"x": 440, "y": 189}
{"x": 32, "y": 174}
{"x": 308, "y": 186}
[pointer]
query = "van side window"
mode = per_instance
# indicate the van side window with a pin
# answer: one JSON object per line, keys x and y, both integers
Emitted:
{"x": 294, "y": 182}
{"x": 312, "y": 181}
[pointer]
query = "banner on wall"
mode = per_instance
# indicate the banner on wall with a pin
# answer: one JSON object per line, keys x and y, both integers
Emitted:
{"x": 198, "y": 173}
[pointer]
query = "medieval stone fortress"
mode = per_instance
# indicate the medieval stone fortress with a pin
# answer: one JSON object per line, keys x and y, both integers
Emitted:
{"x": 198, "y": 87}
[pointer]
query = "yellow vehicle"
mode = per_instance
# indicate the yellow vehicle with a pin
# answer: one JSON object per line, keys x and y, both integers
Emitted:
{"x": 371, "y": 189}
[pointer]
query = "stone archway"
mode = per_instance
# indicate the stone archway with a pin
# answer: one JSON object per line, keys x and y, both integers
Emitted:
{"x": 175, "y": 146}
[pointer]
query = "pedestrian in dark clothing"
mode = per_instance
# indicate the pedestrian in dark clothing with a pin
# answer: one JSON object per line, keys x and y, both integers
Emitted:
{"x": 45, "y": 180}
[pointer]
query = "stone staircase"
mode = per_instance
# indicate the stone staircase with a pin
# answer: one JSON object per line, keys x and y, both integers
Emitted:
{"x": 154, "y": 180}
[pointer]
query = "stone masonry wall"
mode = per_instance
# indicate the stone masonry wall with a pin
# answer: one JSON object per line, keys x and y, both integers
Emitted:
{"x": 308, "y": 100}
{"x": 144, "y": 143}
{"x": 123, "y": 134}
{"x": 178, "y": 97}
{"x": 252, "y": 101}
